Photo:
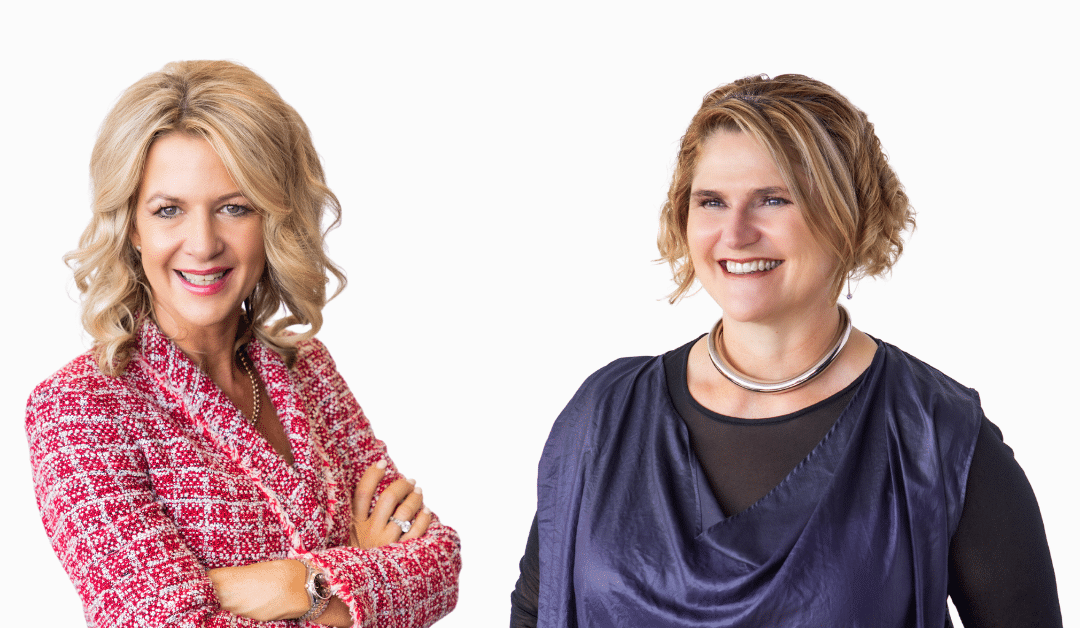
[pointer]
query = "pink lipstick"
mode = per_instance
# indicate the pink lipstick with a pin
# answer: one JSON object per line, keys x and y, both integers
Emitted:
{"x": 204, "y": 282}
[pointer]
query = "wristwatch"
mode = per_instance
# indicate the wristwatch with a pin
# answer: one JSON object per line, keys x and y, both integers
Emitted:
{"x": 318, "y": 591}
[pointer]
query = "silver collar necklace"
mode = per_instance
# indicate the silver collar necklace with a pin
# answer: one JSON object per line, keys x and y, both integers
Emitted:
{"x": 749, "y": 383}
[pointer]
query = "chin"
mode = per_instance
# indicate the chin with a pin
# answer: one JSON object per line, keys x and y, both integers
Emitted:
{"x": 755, "y": 311}
{"x": 195, "y": 318}
{"x": 743, "y": 315}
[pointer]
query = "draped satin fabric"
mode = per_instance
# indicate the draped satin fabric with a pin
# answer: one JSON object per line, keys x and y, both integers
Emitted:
{"x": 856, "y": 535}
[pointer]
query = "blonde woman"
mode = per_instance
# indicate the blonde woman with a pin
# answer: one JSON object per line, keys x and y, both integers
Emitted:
{"x": 201, "y": 465}
{"x": 785, "y": 468}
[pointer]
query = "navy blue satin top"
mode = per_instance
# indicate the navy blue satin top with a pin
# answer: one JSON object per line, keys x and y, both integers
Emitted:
{"x": 856, "y": 535}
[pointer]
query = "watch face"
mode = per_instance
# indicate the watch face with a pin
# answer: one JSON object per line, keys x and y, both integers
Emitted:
{"x": 321, "y": 588}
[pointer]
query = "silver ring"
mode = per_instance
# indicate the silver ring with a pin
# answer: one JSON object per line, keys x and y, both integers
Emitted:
{"x": 404, "y": 525}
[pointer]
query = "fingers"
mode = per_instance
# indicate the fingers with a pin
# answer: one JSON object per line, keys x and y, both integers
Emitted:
{"x": 365, "y": 490}
{"x": 419, "y": 525}
{"x": 411, "y": 505}
{"x": 390, "y": 498}
{"x": 409, "y": 510}
{"x": 401, "y": 501}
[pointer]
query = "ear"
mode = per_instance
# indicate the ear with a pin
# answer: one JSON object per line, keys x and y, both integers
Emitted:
{"x": 134, "y": 237}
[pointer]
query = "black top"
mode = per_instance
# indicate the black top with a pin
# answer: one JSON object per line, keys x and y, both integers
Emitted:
{"x": 1000, "y": 572}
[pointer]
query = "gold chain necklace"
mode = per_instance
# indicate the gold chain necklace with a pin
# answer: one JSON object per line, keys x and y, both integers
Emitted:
{"x": 245, "y": 362}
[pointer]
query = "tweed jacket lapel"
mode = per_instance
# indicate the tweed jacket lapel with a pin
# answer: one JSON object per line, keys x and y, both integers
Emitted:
{"x": 295, "y": 492}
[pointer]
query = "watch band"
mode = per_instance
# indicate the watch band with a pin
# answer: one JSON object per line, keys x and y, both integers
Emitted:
{"x": 318, "y": 591}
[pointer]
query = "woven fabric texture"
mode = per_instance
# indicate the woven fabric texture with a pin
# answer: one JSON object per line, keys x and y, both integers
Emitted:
{"x": 146, "y": 480}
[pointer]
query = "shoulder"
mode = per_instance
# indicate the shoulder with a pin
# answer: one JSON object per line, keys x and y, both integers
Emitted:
{"x": 79, "y": 405}
{"x": 316, "y": 376}
{"x": 606, "y": 397}
{"x": 617, "y": 380}
{"x": 934, "y": 421}
{"x": 930, "y": 411}
{"x": 621, "y": 372}
{"x": 926, "y": 383}
{"x": 313, "y": 359}
{"x": 311, "y": 349}
{"x": 79, "y": 383}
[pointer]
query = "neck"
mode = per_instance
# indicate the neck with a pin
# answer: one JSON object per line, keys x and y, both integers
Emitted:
{"x": 210, "y": 347}
{"x": 771, "y": 351}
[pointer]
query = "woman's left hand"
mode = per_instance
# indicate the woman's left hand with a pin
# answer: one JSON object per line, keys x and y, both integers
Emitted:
{"x": 263, "y": 591}
{"x": 401, "y": 501}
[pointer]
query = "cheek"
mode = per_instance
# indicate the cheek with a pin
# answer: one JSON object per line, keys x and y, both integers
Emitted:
{"x": 154, "y": 248}
{"x": 252, "y": 246}
{"x": 700, "y": 237}
{"x": 820, "y": 261}
{"x": 155, "y": 237}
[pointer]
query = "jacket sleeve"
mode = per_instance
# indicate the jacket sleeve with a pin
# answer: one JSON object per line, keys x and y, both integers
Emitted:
{"x": 399, "y": 585}
{"x": 128, "y": 562}
{"x": 413, "y": 583}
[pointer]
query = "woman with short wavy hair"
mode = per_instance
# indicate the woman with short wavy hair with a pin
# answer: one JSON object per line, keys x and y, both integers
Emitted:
{"x": 202, "y": 465}
{"x": 829, "y": 158}
{"x": 784, "y": 469}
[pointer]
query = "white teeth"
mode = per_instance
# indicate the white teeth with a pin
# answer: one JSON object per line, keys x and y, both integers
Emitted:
{"x": 744, "y": 268}
{"x": 202, "y": 280}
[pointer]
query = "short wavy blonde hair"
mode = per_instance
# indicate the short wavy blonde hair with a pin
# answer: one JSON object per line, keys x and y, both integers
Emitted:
{"x": 829, "y": 157}
{"x": 266, "y": 148}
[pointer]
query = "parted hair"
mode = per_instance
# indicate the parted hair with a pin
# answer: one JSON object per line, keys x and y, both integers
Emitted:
{"x": 266, "y": 148}
{"x": 831, "y": 161}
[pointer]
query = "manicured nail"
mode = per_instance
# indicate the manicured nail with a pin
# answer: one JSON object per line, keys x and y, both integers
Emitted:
{"x": 381, "y": 464}
{"x": 418, "y": 490}
{"x": 427, "y": 511}
{"x": 411, "y": 481}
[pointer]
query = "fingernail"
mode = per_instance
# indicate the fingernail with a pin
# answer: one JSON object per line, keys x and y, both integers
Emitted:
{"x": 411, "y": 481}
{"x": 427, "y": 511}
{"x": 381, "y": 464}
{"x": 418, "y": 490}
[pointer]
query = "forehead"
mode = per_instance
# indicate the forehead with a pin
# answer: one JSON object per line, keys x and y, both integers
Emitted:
{"x": 734, "y": 160}
{"x": 179, "y": 162}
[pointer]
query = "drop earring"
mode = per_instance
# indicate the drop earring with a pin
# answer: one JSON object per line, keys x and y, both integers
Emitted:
{"x": 849, "y": 287}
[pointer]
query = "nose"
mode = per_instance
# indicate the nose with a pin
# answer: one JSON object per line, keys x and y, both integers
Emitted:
{"x": 202, "y": 240}
{"x": 739, "y": 229}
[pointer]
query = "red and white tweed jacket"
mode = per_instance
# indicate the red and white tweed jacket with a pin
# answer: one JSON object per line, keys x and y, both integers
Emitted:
{"x": 146, "y": 480}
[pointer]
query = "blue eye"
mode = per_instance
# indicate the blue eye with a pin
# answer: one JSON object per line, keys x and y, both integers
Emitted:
{"x": 236, "y": 210}
{"x": 776, "y": 201}
{"x": 170, "y": 211}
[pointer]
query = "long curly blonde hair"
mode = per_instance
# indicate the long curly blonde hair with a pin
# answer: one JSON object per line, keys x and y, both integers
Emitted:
{"x": 828, "y": 155}
{"x": 266, "y": 148}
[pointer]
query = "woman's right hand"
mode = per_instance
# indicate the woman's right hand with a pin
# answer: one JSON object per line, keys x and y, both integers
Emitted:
{"x": 402, "y": 500}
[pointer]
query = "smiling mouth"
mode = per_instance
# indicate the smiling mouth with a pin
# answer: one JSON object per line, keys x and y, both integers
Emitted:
{"x": 202, "y": 280}
{"x": 746, "y": 268}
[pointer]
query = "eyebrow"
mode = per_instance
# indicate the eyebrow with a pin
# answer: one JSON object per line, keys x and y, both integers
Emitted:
{"x": 161, "y": 196}
{"x": 758, "y": 192}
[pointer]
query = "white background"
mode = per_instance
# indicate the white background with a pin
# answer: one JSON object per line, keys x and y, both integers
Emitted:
{"x": 501, "y": 168}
